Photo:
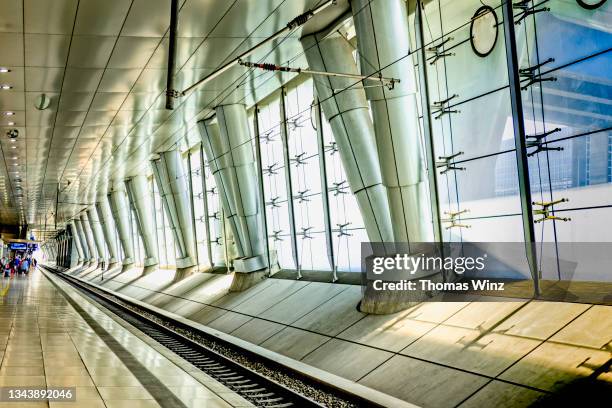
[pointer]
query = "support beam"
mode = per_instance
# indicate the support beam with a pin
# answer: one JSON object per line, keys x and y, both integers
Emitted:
{"x": 232, "y": 161}
{"x": 96, "y": 229}
{"x": 106, "y": 222}
{"x": 140, "y": 200}
{"x": 349, "y": 118}
{"x": 93, "y": 253}
{"x": 383, "y": 39}
{"x": 79, "y": 229}
{"x": 518, "y": 125}
{"x": 119, "y": 208}
{"x": 172, "y": 184}
{"x": 77, "y": 241}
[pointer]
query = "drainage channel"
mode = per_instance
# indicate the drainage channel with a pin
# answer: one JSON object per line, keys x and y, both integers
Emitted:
{"x": 238, "y": 369}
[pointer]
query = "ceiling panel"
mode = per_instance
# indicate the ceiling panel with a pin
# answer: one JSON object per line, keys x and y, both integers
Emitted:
{"x": 49, "y": 17}
{"x": 97, "y": 17}
{"x": 11, "y": 49}
{"x": 90, "y": 51}
{"x": 40, "y": 118}
{"x": 97, "y": 118}
{"x": 76, "y": 101}
{"x": 147, "y": 18}
{"x": 70, "y": 118}
{"x": 82, "y": 80}
{"x": 43, "y": 79}
{"x": 46, "y": 50}
{"x": 118, "y": 80}
{"x": 197, "y": 18}
{"x": 151, "y": 80}
{"x": 108, "y": 101}
{"x": 11, "y": 16}
{"x": 133, "y": 52}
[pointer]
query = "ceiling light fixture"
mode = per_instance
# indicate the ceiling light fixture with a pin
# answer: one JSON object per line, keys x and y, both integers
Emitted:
{"x": 5, "y": 86}
{"x": 11, "y": 123}
{"x": 4, "y": 70}
{"x": 9, "y": 113}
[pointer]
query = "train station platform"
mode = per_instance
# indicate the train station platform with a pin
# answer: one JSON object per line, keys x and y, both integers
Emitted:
{"x": 51, "y": 335}
{"x": 469, "y": 353}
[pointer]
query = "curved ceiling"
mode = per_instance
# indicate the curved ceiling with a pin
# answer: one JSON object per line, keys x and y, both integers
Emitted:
{"x": 102, "y": 65}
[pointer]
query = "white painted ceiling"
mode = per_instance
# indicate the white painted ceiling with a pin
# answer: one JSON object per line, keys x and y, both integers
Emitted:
{"x": 103, "y": 65}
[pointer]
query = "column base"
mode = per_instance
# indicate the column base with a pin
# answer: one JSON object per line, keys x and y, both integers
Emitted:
{"x": 383, "y": 302}
{"x": 185, "y": 263}
{"x": 243, "y": 281}
{"x": 182, "y": 273}
{"x": 127, "y": 266}
{"x": 112, "y": 264}
{"x": 149, "y": 268}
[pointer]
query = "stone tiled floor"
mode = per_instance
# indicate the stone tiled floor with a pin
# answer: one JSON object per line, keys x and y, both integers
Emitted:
{"x": 45, "y": 341}
{"x": 506, "y": 353}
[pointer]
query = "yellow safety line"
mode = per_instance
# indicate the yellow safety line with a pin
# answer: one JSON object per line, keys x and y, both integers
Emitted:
{"x": 6, "y": 289}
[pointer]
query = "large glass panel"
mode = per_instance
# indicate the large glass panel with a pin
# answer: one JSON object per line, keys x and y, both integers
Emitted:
{"x": 198, "y": 208}
{"x": 305, "y": 177}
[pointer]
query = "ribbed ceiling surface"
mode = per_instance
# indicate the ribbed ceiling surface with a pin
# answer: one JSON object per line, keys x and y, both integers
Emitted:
{"x": 102, "y": 64}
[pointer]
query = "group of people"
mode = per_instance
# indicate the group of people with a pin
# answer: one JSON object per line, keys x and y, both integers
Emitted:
{"x": 17, "y": 265}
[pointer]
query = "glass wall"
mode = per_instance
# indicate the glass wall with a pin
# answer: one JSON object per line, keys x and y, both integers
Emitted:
{"x": 565, "y": 88}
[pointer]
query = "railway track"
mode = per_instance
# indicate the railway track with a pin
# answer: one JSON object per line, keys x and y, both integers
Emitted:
{"x": 244, "y": 372}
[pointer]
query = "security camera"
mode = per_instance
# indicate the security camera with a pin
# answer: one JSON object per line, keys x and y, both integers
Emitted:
{"x": 12, "y": 133}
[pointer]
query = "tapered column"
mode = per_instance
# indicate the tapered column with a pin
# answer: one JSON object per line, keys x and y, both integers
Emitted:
{"x": 118, "y": 202}
{"x": 106, "y": 222}
{"x": 96, "y": 229}
{"x": 76, "y": 241}
{"x": 93, "y": 253}
{"x": 384, "y": 42}
{"x": 211, "y": 139}
{"x": 172, "y": 185}
{"x": 87, "y": 257}
{"x": 233, "y": 164}
{"x": 140, "y": 199}
{"x": 348, "y": 115}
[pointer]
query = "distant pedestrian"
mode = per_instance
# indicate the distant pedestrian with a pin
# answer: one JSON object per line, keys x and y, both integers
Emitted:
{"x": 25, "y": 266}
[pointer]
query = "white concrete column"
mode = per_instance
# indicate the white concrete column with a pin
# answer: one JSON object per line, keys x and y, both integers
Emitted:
{"x": 105, "y": 217}
{"x": 173, "y": 189}
{"x": 96, "y": 229}
{"x": 76, "y": 241}
{"x": 120, "y": 210}
{"x": 93, "y": 252}
{"x": 383, "y": 39}
{"x": 87, "y": 257}
{"x": 232, "y": 159}
{"x": 139, "y": 195}
{"x": 348, "y": 115}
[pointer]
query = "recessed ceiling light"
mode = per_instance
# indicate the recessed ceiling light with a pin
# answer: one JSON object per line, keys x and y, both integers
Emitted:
{"x": 5, "y": 86}
{"x": 4, "y": 70}
{"x": 13, "y": 147}
{"x": 11, "y": 123}
{"x": 9, "y": 113}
